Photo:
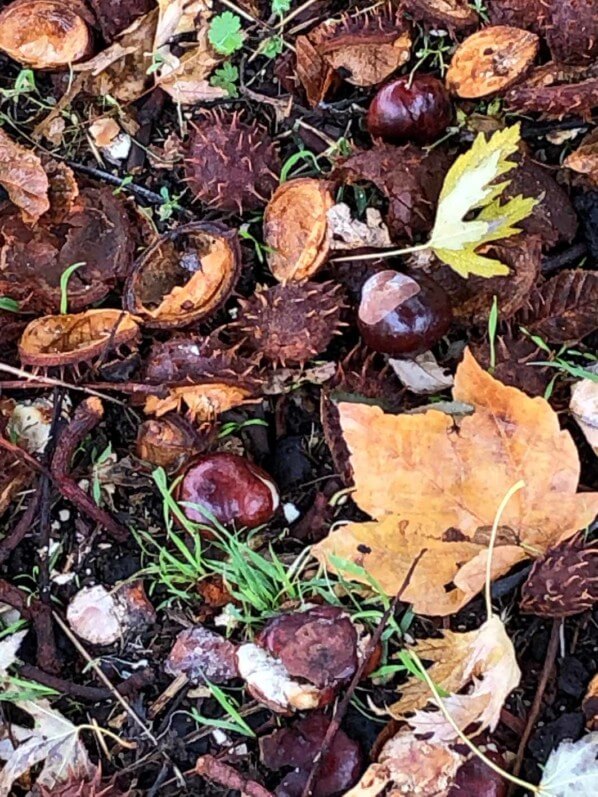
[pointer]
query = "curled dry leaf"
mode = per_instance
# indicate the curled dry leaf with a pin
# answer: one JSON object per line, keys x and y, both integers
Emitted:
{"x": 584, "y": 408}
{"x": 350, "y": 233}
{"x": 483, "y": 660}
{"x": 102, "y": 617}
{"x": 114, "y": 16}
{"x": 298, "y": 746}
{"x": 409, "y": 177}
{"x": 422, "y": 374}
{"x": 453, "y": 15}
{"x": 24, "y": 178}
{"x": 185, "y": 276}
{"x": 563, "y": 309}
{"x": 186, "y": 79}
{"x": 121, "y": 70}
{"x": 202, "y": 656}
{"x": 427, "y": 488}
{"x": 168, "y": 442}
{"x": 584, "y": 160}
{"x": 45, "y": 34}
{"x": 315, "y": 73}
{"x": 365, "y": 48}
{"x": 91, "y": 228}
{"x": 564, "y": 582}
{"x": 491, "y": 60}
{"x": 296, "y": 228}
{"x": 70, "y": 339}
{"x": 199, "y": 375}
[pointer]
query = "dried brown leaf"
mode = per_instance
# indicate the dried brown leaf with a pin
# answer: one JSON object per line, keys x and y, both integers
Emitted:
{"x": 563, "y": 309}
{"x": 23, "y": 176}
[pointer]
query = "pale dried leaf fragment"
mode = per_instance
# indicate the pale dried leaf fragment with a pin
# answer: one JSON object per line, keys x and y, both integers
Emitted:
{"x": 483, "y": 660}
{"x": 422, "y": 374}
{"x": 572, "y": 769}
{"x": 434, "y": 482}
{"x": 584, "y": 160}
{"x": 584, "y": 407}
{"x": 53, "y": 742}
{"x": 24, "y": 178}
{"x": 407, "y": 765}
{"x": 350, "y": 233}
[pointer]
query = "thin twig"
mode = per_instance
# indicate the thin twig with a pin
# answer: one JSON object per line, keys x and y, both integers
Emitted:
{"x": 25, "y": 524}
{"x": 553, "y": 645}
{"x": 24, "y": 456}
{"x": 93, "y": 663}
{"x": 343, "y": 704}
{"x": 48, "y": 381}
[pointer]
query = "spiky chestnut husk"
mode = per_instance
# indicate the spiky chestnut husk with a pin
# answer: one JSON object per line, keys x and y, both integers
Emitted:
{"x": 362, "y": 374}
{"x": 525, "y": 14}
{"x": 231, "y": 165}
{"x": 291, "y": 323}
{"x": 562, "y": 583}
{"x": 454, "y": 15}
{"x": 572, "y": 31}
{"x": 556, "y": 91}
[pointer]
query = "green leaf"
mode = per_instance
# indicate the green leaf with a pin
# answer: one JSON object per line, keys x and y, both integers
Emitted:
{"x": 225, "y": 34}
{"x": 9, "y": 305}
{"x": 226, "y": 77}
{"x": 272, "y": 47}
{"x": 472, "y": 184}
{"x": 64, "y": 284}
{"x": 281, "y": 7}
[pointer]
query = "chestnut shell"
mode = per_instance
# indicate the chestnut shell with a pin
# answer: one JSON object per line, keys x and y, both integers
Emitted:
{"x": 400, "y": 315}
{"x": 231, "y": 488}
{"x": 418, "y": 110}
{"x": 185, "y": 276}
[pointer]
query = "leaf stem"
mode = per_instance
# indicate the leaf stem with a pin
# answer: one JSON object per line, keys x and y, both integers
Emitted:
{"x": 382, "y": 253}
{"x": 502, "y": 506}
{"x": 465, "y": 739}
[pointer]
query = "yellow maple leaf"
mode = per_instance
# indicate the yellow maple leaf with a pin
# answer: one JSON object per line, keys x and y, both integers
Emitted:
{"x": 433, "y": 482}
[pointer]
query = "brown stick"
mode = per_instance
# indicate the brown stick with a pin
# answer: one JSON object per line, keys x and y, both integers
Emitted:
{"x": 86, "y": 417}
{"x": 209, "y": 767}
{"x": 25, "y": 524}
{"x": 553, "y": 646}
{"x": 343, "y": 704}
{"x": 130, "y": 686}
{"x": 40, "y": 616}
{"x": 24, "y": 456}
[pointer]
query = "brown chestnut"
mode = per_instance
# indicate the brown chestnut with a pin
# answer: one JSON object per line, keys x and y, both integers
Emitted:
{"x": 401, "y": 315}
{"x": 417, "y": 110}
{"x": 229, "y": 487}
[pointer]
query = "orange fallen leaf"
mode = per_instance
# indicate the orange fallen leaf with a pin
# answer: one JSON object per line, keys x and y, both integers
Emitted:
{"x": 433, "y": 481}
{"x": 23, "y": 176}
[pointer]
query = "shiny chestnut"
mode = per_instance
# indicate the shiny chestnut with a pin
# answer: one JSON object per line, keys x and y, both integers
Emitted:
{"x": 229, "y": 487}
{"x": 401, "y": 315}
{"x": 417, "y": 110}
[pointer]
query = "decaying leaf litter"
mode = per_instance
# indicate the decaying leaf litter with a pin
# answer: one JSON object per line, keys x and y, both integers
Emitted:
{"x": 298, "y": 418}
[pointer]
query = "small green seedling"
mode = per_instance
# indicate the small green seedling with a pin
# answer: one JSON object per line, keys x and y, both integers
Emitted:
{"x": 64, "y": 284}
{"x": 226, "y": 77}
{"x": 225, "y": 34}
{"x": 9, "y": 305}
